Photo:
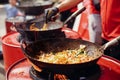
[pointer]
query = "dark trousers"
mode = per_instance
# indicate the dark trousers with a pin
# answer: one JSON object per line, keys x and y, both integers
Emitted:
{"x": 112, "y": 51}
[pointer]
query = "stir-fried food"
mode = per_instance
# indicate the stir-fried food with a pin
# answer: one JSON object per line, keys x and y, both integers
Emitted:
{"x": 67, "y": 56}
{"x": 33, "y": 27}
{"x": 44, "y": 27}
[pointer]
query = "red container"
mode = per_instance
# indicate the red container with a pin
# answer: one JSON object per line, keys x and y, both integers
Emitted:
{"x": 11, "y": 49}
{"x": 109, "y": 67}
{"x": 9, "y": 23}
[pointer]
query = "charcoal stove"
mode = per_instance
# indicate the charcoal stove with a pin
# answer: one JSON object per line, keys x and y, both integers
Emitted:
{"x": 107, "y": 68}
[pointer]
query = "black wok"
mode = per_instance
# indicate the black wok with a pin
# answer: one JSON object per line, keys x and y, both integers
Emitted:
{"x": 34, "y": 7}
{"x": 53, "y": 31}
{"x": 59, "y": 44}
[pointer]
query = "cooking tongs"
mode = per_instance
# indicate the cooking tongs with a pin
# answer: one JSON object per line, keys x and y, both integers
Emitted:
{"x": 46, "y": 21}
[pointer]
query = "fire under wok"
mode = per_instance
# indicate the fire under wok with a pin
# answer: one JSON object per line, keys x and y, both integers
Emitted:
{"x": 56, "y": 45}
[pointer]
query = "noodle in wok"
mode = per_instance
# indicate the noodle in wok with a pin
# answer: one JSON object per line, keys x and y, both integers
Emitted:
{"x": 67, "y": 56}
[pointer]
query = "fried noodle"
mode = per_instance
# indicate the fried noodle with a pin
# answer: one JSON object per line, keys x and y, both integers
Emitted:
{"x": 67, "y": 56}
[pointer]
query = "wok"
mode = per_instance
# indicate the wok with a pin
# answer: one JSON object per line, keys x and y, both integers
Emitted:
{"x": 34, "y": 7}
{"x": 55, "y": 29}
{"x": 59, "y": 44}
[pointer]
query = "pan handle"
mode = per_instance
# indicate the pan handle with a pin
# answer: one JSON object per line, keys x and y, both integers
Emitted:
{"x": 113, "y": 42}
{"x": 74, "y": 15}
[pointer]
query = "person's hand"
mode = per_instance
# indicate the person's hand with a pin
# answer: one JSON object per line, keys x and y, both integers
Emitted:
{"x": 51, "y": 13}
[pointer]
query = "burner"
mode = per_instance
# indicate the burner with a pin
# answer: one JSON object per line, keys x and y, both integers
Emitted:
{"x": 92, "y": 73}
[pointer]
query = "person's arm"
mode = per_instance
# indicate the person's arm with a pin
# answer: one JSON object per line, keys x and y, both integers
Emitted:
{"x": 50, "y": 13}
{"x": 67, "y": 4}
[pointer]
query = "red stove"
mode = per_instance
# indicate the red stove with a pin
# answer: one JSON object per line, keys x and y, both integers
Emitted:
{"x": 107, "y": 68}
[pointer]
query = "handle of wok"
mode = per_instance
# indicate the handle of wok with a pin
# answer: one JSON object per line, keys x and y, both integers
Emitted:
{"x": 74, "y": 15}
{"x": 111, "y": 43}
